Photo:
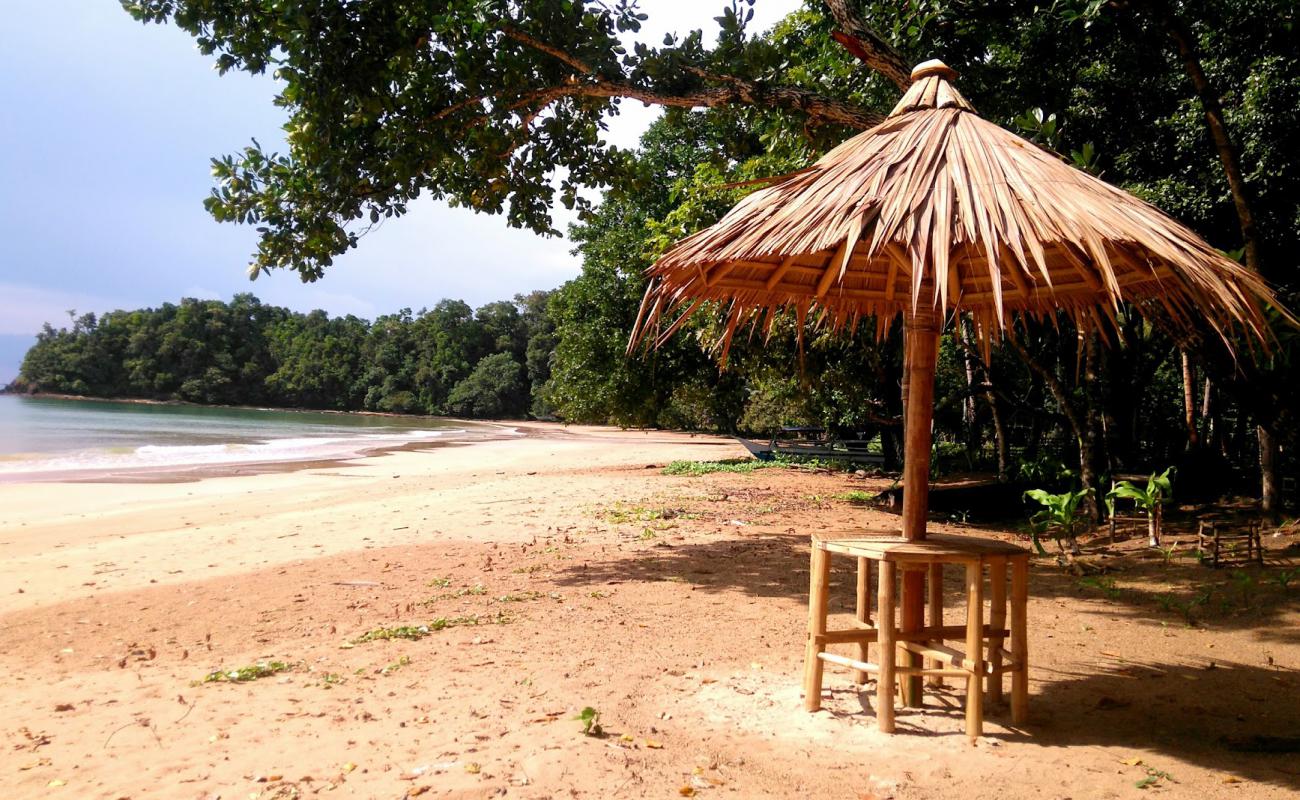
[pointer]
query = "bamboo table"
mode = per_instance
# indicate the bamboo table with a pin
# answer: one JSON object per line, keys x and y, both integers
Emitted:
{"x": 984, "y": 656}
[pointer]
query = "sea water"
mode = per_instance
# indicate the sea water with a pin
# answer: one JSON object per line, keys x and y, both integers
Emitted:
{"x": 44, "y": 437}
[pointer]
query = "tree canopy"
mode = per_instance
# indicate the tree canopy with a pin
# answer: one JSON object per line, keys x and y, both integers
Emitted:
{"x": 500, "y": 106}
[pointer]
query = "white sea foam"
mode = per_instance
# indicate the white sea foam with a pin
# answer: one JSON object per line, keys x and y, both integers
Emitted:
{"x": 184, "y": 456}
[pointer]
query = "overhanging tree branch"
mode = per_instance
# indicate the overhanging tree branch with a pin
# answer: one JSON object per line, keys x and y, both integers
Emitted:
{"x": 730, "y": 90}
{"x": 868, "y": 46}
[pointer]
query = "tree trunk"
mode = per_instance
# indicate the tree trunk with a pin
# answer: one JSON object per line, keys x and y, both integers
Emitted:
{"x": 1228, "y": 157}
{"x": 1087, "y": 452}
{"x": 1088, "y": 449}
{"x": 969, "y": 410}
{"x": 1268, "y": 500}
{"x": 1189, "y": 401}
{"x": 1209, "y": 428}
{"x": 999, "y": 435}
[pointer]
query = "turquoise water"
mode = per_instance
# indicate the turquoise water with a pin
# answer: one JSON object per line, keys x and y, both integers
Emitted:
{"x": 46, "y": 435}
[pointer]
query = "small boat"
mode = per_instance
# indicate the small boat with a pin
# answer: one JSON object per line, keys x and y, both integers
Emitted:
{"x": 810, "y": 443}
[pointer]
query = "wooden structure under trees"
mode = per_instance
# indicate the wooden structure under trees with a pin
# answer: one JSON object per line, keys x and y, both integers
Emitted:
{"x": 984, "y": 658}
{"x": 936, "y": 213}
{"x": 1220, "y": 547}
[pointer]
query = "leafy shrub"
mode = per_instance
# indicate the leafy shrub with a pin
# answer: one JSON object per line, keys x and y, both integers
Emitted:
{"x": 1059, "y": 517}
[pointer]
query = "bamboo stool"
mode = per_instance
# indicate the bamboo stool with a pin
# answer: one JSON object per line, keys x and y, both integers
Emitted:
{"x": 984, "y": 656}
{"x": 1223, "y": 548}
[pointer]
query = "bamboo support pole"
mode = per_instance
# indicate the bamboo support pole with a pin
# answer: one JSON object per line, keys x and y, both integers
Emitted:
{"x": 818, "y": 578}
{"x": 997, "y": 619}
{"x": 974, "y": 651}
{"x": 921, "y": 350}
{"x": 885, "y": 629}
{"x": 1019, "y": 644}
{"x": 864, "y": 613}
{"x": 934, "y": 585}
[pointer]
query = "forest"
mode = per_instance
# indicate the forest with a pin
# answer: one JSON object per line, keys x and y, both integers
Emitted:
{"x": 1190, "y": 106}
{"x": 490, "y": 362}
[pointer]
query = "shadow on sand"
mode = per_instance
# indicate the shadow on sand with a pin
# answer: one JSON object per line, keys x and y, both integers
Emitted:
{"x": 1182, "y": 710}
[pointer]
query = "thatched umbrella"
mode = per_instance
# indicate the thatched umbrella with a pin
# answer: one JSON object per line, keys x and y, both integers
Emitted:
{"x": 937, "y": 212}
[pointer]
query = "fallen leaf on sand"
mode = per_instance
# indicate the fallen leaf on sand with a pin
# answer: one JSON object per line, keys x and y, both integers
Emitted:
{"x": 1229, "y": 779}
{"x": 348, "y": 767}
{"x": 55, "y": 783}
{"x": 686, "y": 791}
{"x": 416, "y": 791}
{"x": 653, "y": 745}
{"x": 1132, "y": 762}
{"x": 64, "y": 707}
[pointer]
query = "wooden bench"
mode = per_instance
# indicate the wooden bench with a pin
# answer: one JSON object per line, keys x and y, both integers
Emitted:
{"x": 983, "y": 658}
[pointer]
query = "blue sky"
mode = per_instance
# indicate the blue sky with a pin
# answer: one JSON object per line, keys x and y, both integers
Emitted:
{"x": 105, "y": 138}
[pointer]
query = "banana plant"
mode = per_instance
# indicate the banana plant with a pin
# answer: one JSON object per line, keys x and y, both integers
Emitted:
{"x": 1059, "y": 517}
{"x": 1159, "y": 490}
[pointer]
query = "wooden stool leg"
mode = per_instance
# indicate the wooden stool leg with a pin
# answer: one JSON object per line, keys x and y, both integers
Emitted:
{"x": 885, "y": 631}
{"x": 864, "y": 613}
{"x": 934, "y": 586}
{"x": 997, "y": 621}
{"x": 818, "y": 577}
{"x": 911, "y": 619}
{"x": 974, "y": 650}
{"x": 1019, "y": 643}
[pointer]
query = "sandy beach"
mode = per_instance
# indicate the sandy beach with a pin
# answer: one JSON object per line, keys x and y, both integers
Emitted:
{"x": 559, "y": 571}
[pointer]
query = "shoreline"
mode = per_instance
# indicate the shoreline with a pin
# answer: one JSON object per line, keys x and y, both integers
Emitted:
{"x": 155, "y": 531}
{"x": 459, "y": 433}
{"x": 145, "y": 401}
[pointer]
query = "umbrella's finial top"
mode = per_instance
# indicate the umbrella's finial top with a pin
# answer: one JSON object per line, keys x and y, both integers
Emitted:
{"x": 931, "y": 88}
{"x": 933, "y": 67}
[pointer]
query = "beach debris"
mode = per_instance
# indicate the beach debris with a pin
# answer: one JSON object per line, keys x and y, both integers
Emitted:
{"x": 590, "y": 719}
{"x": 412, "y": 632}
{"x": 42, "y": 762}
{"x": 1154, "y": 777}
{"x": 34, "y": 740}
{"x": 262, "y": 669}
{"x": 65, "y": 707}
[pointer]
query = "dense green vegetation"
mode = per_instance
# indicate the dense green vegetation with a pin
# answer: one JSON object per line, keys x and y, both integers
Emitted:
{"x": 486, "y": 103}
{"x": 451, "y": 359}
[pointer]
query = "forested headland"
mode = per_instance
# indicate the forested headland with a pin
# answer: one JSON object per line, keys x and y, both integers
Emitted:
{"x": 490, "y": 362}
{"x": 1190, "y": 106}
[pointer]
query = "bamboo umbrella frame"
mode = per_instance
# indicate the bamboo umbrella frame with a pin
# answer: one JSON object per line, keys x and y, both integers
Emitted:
{"x": 937, "y": 212}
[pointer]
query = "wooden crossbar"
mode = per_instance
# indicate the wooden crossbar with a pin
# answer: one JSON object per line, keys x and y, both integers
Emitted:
{"x": 869, "y": 634}
{"x": 959, "y": 660}
{"x": 867, "y": 666}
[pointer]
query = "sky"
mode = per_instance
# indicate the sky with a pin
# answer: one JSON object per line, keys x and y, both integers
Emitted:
{"x": 106, "y": 133}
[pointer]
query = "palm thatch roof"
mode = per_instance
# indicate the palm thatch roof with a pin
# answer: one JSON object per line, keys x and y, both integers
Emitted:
{"x": 936, "y": 206}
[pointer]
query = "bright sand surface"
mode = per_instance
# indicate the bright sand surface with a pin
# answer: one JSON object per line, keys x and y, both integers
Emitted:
{"x": 62, "y": 540}
{"x": 569, "y": 573}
